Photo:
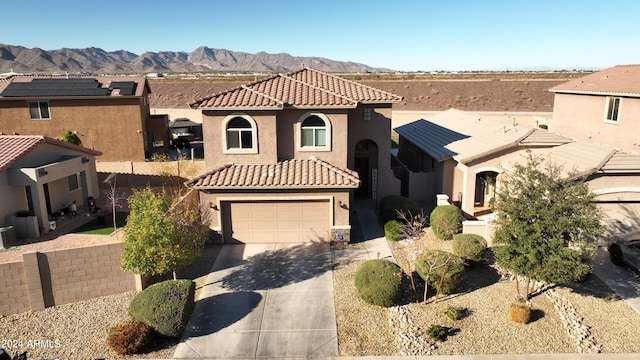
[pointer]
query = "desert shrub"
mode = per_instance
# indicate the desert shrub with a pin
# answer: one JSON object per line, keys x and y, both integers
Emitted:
{"x": 379, "y": 282}
{"x": 130, "y": 337}
{"x": 445, "y": 221}
{"x": 453, "y": 312}
{"x": 519, "y": 312}
{"x": 392, "y": 203}
{"x": 440, "y": 269}
{"x": 437, "y": 332}
{"x": 469, "y": 246}
{"x": 393, "y": 230}
{"x": 165, "y": 306}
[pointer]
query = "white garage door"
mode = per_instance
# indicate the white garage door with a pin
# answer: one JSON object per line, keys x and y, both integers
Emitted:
{"x": 278, "y": 221}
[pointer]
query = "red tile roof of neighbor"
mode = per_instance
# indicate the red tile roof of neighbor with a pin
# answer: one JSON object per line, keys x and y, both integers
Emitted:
{"x": 13, "y": 147}
{"x": 305, "y": 88}
{"x": 296, "y": 173}
{"x": 623, "y": 80}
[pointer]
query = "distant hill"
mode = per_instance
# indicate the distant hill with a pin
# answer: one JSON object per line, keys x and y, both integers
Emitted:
{"x": 203, "y": 59}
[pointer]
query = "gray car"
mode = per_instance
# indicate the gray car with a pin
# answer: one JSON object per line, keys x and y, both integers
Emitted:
{"x": 626, "y": 250}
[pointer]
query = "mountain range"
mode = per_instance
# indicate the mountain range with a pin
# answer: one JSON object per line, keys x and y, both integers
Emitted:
{"x": 203, "y": 59}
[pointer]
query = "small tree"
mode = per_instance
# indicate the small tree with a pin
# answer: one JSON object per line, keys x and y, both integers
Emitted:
{"x": 160, "y": 237}
{"x": 546, "y": 224}
{"x": 70, "y": 137}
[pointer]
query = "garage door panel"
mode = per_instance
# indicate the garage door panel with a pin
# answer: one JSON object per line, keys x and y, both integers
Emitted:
{"x": 278, "y": 221}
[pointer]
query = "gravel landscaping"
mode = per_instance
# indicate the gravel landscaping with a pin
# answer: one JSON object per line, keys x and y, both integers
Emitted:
{"x": 79, "y": 330}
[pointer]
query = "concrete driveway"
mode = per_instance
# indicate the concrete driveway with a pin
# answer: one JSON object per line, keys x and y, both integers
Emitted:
{"x": 265, "y": 300}
{"x": 621, "y": 279}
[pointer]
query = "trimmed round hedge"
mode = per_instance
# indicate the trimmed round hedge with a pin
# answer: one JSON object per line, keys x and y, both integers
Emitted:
{"x": 393, "y": 230}
{"x": 432, "y": 264}
{"x": 445, "y": 221}
{"x": 379, "y": 282}
{"x": 469, "y": 246}
{"x": 165, "y": 306}
{"x": 389, "y": 205}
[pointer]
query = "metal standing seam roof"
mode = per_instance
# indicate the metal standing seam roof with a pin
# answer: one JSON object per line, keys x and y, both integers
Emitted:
{"x": 296, "y": 173}
{"x": 462, "y": 135}
{"x": 622, "y": 162}
{"x": 305, "y": 88}
{"x": 13, "y": 147}
{"x": 622, "y": 80}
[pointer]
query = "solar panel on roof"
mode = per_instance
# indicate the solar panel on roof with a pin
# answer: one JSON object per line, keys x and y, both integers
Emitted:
{"x": 54, "y": 87}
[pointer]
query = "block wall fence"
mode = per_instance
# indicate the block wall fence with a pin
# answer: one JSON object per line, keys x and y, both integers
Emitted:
{"x": 44, "y": 279}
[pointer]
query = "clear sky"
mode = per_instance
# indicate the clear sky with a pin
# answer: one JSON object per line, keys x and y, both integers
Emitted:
{"x": 425, "y": 35}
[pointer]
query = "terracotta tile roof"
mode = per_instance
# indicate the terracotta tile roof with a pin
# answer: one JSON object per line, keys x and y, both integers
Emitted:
{"x": 13, "y": 147}
{"x": 309, "y": 173}
{"x": 622, "y": 80}
{"x": 305, "y": 88}
{"x": 576, "y": 157}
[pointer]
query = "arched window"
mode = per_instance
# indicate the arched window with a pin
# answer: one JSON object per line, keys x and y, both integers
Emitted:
{"x": 240, "y": 134}
{"x": 315, "y": 133}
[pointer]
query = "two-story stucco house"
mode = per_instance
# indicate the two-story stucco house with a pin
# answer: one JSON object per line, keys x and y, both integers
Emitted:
{"x": 600, "y": 108}
{"x": 287, "y": 155}
{"x": 108, "y": 113}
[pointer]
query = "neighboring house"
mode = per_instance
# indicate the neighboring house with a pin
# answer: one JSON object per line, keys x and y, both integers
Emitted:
{"x": 108, "y": 113}
{"x": 600, "y": 108}
{"x": 287, "y": 155}
{"x": 458, "y": 154}
{"x": 41, "y": 176}
{"x": 463, "y": 155}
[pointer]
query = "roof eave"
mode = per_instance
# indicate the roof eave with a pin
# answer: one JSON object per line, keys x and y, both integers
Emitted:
{"x": 596, "y": 93}
{"x": 272, "y": 187}
{"x": 238, "y": 108}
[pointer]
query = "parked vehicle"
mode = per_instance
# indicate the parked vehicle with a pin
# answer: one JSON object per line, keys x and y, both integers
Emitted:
{"x": 625, "y": 250}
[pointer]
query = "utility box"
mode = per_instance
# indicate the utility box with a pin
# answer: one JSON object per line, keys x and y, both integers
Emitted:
{"x": 7, "y": 236}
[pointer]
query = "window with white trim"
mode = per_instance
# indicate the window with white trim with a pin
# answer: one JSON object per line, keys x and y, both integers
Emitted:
{"x": 314, "y": 133}
{"x": 39, "y": 110}
{"x": 613, "y": 108}
{"x": 239, "y": 134}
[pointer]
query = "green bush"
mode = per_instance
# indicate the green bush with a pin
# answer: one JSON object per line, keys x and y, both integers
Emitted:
{"x": 469, "y": 246}
{"x": 431, "y": 265}
{"x": 130, "y": 337}
{"x": 165, "y": 306}
{"x": 389, "y": 205}
{"x": 393, "y": 230}
{"x": 437, "y": 333}
{"x": 379, "y": 282}
{"x": 454, "y": 313}
{"x": 445, "y": 221}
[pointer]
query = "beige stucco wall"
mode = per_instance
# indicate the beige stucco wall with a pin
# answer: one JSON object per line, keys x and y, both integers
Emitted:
{"x": 583, "y": 117}
{"x": 191, "y": 114}
{"x": 402, "y": 117}
{"x": 113, "y": 126}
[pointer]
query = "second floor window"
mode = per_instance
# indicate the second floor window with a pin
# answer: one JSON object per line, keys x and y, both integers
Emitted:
{"x": 39, "y": 110}
{"x": 240, "y": 135}
{"x": 613, "y": 107}
{"x": 313, "y": 132}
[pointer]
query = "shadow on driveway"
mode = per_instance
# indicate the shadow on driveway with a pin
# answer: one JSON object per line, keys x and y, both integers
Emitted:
{"x": 278, "y": 268}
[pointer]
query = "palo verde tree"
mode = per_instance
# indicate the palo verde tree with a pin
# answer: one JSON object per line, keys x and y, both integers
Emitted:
{"x": 546, "y": 225}
{"x": 161, "y": 235}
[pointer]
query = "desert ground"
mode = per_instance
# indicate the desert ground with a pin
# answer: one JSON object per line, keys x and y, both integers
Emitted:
{"x": 512, "y": 92}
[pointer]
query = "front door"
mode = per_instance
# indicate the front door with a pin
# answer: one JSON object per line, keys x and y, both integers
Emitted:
{"x": 362, "y": 168}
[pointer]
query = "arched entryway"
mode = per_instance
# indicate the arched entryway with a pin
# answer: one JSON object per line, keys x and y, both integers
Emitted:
{"x": 366, "y": 165}
{"x": 485, "y": 188}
